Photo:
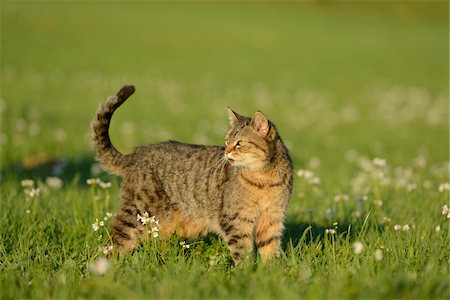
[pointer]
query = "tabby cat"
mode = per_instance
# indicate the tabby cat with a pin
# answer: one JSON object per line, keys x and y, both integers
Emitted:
{"x": 239, "y": 191}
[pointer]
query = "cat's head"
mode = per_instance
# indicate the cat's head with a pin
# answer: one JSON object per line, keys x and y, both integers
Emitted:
{"x": 251, "y": 141}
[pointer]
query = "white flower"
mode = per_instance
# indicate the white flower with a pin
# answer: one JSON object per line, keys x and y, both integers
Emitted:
{"x": 358, "y": 247}
{"x": 378, "y": 202}
{"x": 28, "y": 211}
{"x": 305, "y": 173}
{"x": 27, "y": 183}
{"x": 144, "y": 218}
{"x": 100, "y": 266}
{"x": 314, "y": 181}
{"x": 54, "y": 182}
{"x": 155, "y": 234}
{"x": 34, "y": 192}
{"x": 338, "y": 198}
{"x": 101, "y": 223}
{"x": 397, "y": 227}
{"x": 444, "y": 187}
{"x": 446, "y": 211}
{"x": 330, "y": 231}
{"x": 378, "y": 255}
{"x": 109, "y": 215}
{"x": 437, "y": 228}
{"x": 95, "y": 226}
{"x": 411, "y": 187}
{"x": 105, "y": 185}
{"x": 184, "y": 245}
{"x": 405, "y": 227}
{"x": 93, "y": 181}
{"x": 105, "y": 249}
{"x": 379, "y": 162}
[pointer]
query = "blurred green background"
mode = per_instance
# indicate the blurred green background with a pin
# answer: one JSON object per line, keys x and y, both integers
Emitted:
{"x": 333, "y": 76}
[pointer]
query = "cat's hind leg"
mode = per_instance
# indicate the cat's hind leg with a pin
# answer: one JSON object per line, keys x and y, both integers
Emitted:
{"x": 131, "y": 225}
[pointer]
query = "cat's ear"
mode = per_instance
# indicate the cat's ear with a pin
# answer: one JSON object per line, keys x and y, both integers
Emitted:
{"x": 260, "y": 124}
{"x": 233, "y": 117}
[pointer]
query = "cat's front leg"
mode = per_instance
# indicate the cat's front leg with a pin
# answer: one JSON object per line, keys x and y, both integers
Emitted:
{"x": 269, "y": 231}
{"x": 238, "y": 233}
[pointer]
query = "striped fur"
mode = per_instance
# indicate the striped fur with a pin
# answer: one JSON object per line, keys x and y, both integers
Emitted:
{"x": 240, "y": 191}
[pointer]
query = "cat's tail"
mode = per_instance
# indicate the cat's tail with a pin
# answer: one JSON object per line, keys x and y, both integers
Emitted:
{"x": 107, "y": 154}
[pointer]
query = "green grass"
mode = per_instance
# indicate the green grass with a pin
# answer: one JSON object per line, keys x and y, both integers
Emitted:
{"x": 345, "y": 83}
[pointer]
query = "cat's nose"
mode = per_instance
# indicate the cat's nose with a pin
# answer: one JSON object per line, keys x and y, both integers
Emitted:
{"x": 229, "y": 155}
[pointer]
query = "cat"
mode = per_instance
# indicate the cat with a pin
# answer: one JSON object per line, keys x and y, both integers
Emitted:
{"x": 239, "y": 191}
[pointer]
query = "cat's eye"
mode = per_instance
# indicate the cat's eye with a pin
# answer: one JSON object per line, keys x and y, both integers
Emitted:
{"x": 238, "y": 144}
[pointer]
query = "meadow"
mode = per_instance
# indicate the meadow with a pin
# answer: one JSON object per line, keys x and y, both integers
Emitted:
{"x": 358, "y": 91}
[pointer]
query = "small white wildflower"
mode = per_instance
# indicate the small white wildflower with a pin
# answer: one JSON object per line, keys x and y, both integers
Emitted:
{"x": 34, "y": 192}
{"x": 109, "y": 215}
{"x": 28, "y": 211}
{"x": 54, "y": 182}
{"x": 27, "y": 183}
{"x": 155, "y": 234}
{"x": 386, "y": 220}
{"x": 99, "y": 237}
{"x": 446, "y": 211}
{"x": 405, "y": 227}
{"x": 184, "y": 245}
{"x": 378, "y": 202}
{"x": 379, "y": 162}
{"x": 101, "y": 223}
{"x": 444, "y": 187}
{"x": 378, "y": 255}
{"x": 105, "y": 185}
{"x": 437, "y": 228}
{"x": 100, "y": 266}
{"x": 411, "y": 187}
{"x": 95, "y": 226}
{"x": 358, "y": 247}
{"x": 335, "y": 224}
{"x": 93, "y": 181}
{"x": 144, "y": 218}
{"x": 105, "y": 250}
{"x": 330, "y": 231}
{"x": 338, "y": 198}
{"x": 397, "y": 227}
{"x": 305, "y": 173}
{"x": 314, "y": 181}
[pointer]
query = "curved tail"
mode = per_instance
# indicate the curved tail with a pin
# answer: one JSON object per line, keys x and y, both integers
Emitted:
{"x": 107, "y": 154}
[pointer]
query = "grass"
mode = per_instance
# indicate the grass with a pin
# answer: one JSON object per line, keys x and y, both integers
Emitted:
{"x": 345, "y": 83}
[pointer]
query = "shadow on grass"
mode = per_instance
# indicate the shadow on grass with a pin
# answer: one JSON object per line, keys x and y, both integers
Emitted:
{"x": 295, "y": 230}
{"x": 75, "y": 170}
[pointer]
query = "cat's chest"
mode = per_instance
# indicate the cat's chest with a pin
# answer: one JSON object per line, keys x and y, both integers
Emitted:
{"x": 263, "y": 191}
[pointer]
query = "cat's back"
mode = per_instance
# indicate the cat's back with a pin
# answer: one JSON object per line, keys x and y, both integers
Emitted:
{"x": 178, "y": 156}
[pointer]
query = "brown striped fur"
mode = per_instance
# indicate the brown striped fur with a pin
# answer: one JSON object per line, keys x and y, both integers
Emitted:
{"x": 239, "y": 191}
